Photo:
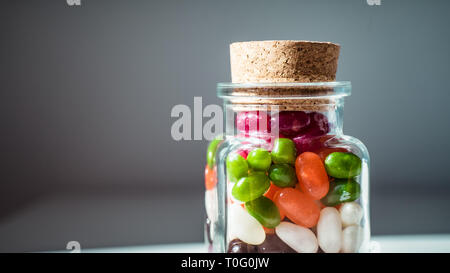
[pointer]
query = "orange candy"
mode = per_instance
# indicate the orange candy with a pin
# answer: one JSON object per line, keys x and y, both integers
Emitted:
{"x": 210, "y": 178}
{"x": 312, "y": 176}
{"x": 271, "y": 193}
{"x": 269, "y": 230}
{"x": 298, "y": 207}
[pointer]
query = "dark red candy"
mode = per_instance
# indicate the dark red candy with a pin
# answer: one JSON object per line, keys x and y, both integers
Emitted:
{"x": 291, "y": 122}
{"x": 273, "y": 244}
{"x": 318, "y": 125}
{"x": 253, "y": 121}
{"x": 305, "y": 143}
{"x": 238, "y": 246}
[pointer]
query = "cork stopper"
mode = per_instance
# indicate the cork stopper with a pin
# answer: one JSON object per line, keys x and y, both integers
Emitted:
{"x": 283, "y": 62}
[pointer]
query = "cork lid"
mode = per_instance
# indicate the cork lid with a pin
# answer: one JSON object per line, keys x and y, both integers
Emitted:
{"x": 283, "y": 61}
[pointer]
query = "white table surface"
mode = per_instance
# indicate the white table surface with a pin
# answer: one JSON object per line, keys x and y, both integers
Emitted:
{"x": 390, "y": 244}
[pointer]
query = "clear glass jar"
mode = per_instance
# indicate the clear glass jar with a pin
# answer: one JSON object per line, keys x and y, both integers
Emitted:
{"x": 285, "y": 178}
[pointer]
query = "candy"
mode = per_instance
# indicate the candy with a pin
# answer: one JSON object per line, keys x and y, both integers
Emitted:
{"x": 324, "y": 152}
{"x": 297, "y": 206}
{"x": 265, "y": 211}
{"x": 299, "y": 238}
{"x": 307, "y": 144}
{"x": 251, "y": 187}
{"x": 211, "y": 204}
{"x": 282, "y": 175}
{"x": 341, "y": 190}
{"x": 311, "y": 174}
{"x": 271, "y": 191}
{"x": 244, "y": 226}
{"x": 259, "y": 159}
{"x": 318, "y": 125}
{"x": 253, "y": 121}
{"x": 211, "y": 152}
{"x": 273, "y": 244}
{"x": 238, "y": 246}
{"x": 352, "y": 237}
{"x": 210, "y": 177}
{"x": 237, "y": 167}
{"x": 329, "y": 234}
{"x": 284, "y": 151}
{"x": 351, "y": 213}
{"x": 290, "y": 122}
{"x": 343, "y": 165}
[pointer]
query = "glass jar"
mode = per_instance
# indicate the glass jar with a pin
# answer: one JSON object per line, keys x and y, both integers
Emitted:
{"x": 285, "y": 178}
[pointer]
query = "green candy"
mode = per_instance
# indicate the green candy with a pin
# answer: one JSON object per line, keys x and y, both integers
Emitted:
{"x": 259, "y": 159}
{"x": 284, "y": 151}
{"x": 265, "y": 211}
{"x": 282, "y": 175}
{"x": 341, "y": 190}
{"x": 343, "y": 165}
{"x": 211, "y": 152}
{"x": 250, "y": 187}
{"x": 237, "y": 167}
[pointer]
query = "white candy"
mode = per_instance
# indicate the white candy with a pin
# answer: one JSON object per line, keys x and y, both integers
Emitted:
{"x": 351, "y": 239}
{"x": 211, "y": 205}
{"x": 244, "y": 226}
{"x": 351, "y": 214}
{"x": 329, "y": 230}
{"x": 299, "y": 238}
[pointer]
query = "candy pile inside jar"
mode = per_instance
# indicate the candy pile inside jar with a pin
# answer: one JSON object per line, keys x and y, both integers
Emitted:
{"x": 295, "y": 194}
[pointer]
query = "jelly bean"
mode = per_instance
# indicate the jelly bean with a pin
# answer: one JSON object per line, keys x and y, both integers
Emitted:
{"x": 352, "y": 237}
{"x": 259, "y": 159}
{"x": 311, "y": 174}
{"x": 318, "y": 125}
{"x": 307, "y": 144}
{"x": 238, "y": 246}
{"x": 290, "y": 122}
{"x": 211, "y": 152}
{"x": 297, "y": 206}
{"x": 273, "y": 244}
{"x": 210, "y": 177}
{"x": 351, "y": 213}
{"x": 251, "y": 187}
{"x": 265, "y": 211}
{"x": 343, "y": 165}
{"x": 329, "y": 230}
{"x": 283, "y": 151}
{"x": 237, "y": 167}
{"x": 211, "y": 204}
{"x": 282, "y": 175}
{"x": 253, "y": 121}
{"x": 341, "y": 190}
{"x": 299, "y": 238}
{"x": 244, "y": 226}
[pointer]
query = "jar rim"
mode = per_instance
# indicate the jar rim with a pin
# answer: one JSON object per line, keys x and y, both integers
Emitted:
{"x": 284, "y": 90}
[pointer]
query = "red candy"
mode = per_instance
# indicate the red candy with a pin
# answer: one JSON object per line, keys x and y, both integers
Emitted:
{"x": 253, "y": 121}
{"x": 312, "y": 176}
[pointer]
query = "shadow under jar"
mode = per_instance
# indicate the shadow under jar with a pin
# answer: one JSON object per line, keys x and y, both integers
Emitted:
{"x": 284, "y": 177}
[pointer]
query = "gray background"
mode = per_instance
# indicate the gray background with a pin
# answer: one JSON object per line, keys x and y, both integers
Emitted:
{"x": 86, "y": 94}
